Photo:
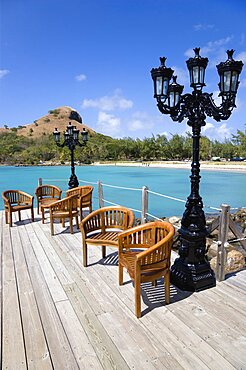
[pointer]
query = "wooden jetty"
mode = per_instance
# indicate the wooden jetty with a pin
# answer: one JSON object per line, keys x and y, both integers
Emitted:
{"x": 56, "y": 314}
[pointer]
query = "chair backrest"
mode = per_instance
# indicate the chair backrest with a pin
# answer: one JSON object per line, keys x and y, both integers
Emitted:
{"x": 48, "y": 191}
{"x": 156, "y": 236}
{"x": 108, "y": 218}
{"x": 67, "y": 204}
{"x": 16, "y": 197}
{"x": 82, "y": 191}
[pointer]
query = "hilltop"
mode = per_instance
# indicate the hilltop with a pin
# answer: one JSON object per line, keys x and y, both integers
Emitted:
{"x": 59, "y": 117}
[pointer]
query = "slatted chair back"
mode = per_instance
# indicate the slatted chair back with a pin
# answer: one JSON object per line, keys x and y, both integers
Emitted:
{"x": 101, "y": 227}
{"x": 84, "y": 195}
{"x": 16, "y": 200}
{"x": 145, "y": 251}
{"x": 62, "y": 209}
{"x": 47, "y": 194}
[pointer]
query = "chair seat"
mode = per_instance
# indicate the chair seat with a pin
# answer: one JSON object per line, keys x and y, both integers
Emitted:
{"x": 101, "y": 238}
{"x": 64, "y": 214}
{"x": 46, "y": 202}
{"x": 19, "y": 207}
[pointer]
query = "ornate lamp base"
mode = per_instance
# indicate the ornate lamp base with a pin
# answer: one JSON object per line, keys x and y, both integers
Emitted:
{"x": 73, "y": 182}
{"x": 191, "y": 271}
{"x": 192, "y": 277}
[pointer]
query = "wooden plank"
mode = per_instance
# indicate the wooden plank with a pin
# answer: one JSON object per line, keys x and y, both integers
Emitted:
{"x": 219, "y": 335}
{"x": 81, "y": 346}
{"x": 175, "y": 332}
{"x": 12, "y": 335}
{"x": 84, "y": 304}
{"x": 60, "y": 351}
{"x": 237, "y": 233}
{"x": 35, "y": 343}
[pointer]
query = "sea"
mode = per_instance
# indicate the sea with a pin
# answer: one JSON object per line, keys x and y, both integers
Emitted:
{"x": 216, "y": 187}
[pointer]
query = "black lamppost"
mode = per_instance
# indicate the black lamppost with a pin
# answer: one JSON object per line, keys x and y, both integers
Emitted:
{"x": 71, "y": 139}
{"x": 191, "y": 271}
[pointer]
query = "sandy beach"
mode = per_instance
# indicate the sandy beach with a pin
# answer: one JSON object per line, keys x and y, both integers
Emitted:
{"x": 211, "y": 166}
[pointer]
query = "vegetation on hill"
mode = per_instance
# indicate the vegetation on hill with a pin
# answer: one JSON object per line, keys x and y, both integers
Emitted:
{"x": 20, "y": 149}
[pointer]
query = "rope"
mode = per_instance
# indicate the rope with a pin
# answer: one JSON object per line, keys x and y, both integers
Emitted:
{"x": 120, "y": 187}
{"x": 236, "y": 240}
{"x": 166, "y": 196}
{"x": 115, "y": 204}
{"x": 88, "y": 182}
{"x": 157, "y": 218}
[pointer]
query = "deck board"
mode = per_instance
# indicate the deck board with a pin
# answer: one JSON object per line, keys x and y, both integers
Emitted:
{"x": 56, "y": 314}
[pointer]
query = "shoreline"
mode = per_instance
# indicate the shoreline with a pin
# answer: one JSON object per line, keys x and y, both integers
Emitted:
{"x": 218, "y": 166}
{"x": 210, "y": 166}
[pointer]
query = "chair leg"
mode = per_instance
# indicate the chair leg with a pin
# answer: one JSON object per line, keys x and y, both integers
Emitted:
{"x": 167, "y": 287}
{"x": 103, "y": 251}
{"x": 10, "y": 218}
{"x": 154, "y": 283}
{"x": 32, "y": 214}
{"x": 38, "y": 207}
{"x": 71, "y": 224}
{"x": 19, "y": 215}
{"x": 6, "y": 217}
{"x": 42, "y": 210}
{"x": 51, "y": 226}
{"x": 120, "y": 274}
{"x": 63, "y": 222}
{"x": 77, "y": 222}
{"x": 137, "y": 284}
{"x": 84, "y": 250}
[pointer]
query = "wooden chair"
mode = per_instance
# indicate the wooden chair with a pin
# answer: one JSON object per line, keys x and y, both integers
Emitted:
{"x": 46, "y": 194}
{"x": 16, "y": 201}
{"x": 101, "y": 227}
{"x": 145, "y": 252}
{"x": 63, "y": 209}
{"x": 84, "y": 195}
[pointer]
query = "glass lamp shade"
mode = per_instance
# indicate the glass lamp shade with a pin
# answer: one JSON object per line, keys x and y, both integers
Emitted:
{"x": 66, "y": 135}
{"x": 174, "y": 93}
{"x": 196, "y": 67}
{"x": 84, "y": 134}
{"x": 229, "y": 72}
{"x": 56, "y": 135}
{"x": 161, "y": 77}
{"x": 75, "y": 133}
{"x": 70, "y": 129}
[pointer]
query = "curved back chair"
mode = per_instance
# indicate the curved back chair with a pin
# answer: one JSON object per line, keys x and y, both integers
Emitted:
{"x": 46, "y": 194}
{"x": 84, "y": 195}
{"x": 16, "y": 201}
{"x": 145, "y": 252}
{"x": 62, "y": 209}
{"x": 102, "y": 227}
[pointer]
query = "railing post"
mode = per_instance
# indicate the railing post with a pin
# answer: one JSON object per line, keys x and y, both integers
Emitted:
{"x": 40, "y": 181}
{"x": 100, "y": 194}
{"x": 144, "y": 204}
{"x": 222, "y": 240}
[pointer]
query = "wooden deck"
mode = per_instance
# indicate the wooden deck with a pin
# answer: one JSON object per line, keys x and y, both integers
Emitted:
{"x": 58, "y": 315}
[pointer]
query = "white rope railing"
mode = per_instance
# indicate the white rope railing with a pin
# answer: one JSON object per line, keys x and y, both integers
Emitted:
{"x": 115, "y": 204}
{"x": 120, "y": 187}
{"x": 144, "y": 199}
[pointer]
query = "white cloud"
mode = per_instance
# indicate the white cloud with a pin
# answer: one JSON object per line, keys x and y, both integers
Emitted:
{"x": 140, "y": 121}
{"x": 182, "y": 75}
{"x": 108, "y": 103}
{"x": 81, "y": 77}
{"x": 3, "y": 72}
{"x": 108, "y": 124}
{"x": 220, "y": 133}
{"x": 203, "y": 27}
{"x": 241, "y": 56}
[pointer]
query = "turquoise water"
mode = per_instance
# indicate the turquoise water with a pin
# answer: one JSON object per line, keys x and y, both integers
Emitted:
{"x": 217, "y": 187}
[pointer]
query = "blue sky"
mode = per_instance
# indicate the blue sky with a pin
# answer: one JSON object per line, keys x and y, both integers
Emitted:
{"x": 96, "y": 55}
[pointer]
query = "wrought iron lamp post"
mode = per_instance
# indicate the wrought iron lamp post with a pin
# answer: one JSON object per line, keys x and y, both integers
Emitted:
{"x": 71, "y": 140}
{"x": 191, "y": 271}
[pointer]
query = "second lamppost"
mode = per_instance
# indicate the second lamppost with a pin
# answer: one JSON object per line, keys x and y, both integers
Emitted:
{"x": 71, "y": 140}
{"x": 192, "y": 271}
